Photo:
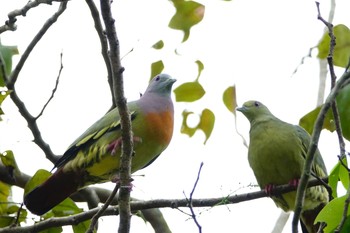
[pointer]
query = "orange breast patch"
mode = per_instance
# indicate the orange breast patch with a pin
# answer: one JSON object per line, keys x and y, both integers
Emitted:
{"x": 160, "y": 126}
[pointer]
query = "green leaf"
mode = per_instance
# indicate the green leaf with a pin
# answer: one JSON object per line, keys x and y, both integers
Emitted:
{"x": 343, "y": 104}
{"x": 342, "y": 48}
{"x": 188, "y": 14}
{"x": 8, "y": 209}
{"x": 13, "y": 210}
{"x": 5, "y": 192}
{"x": 344, "y": 174}
{"x": 6, "y": 53}
{"x": 339, "y": 173}
{"x": 308, "y": 121}
{"x": 185, "y": 129}
{"x": 8, "y": 159}
{"x": 229, "y": 99}
{"x": 333, "y": 180}
{"x": 189, "y": 92}
{"x": 332, "y": 214}
{"x": 3, "y": 95}
{"x": 200, "y": 68}
{"x": 82, "y": 227}
{"x": 156, "y": 68}
{"x": 39, "y": 177}
{"x": 65, "y": 208}
{"x": 206, "y": 123}
{"x": 158, "y": 45}
{"x": 6, "y": 221}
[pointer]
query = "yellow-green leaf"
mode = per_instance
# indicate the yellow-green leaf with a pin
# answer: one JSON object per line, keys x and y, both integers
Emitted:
{"x": 342, "y": 48}
{"x": 332, "y": 214}
{"x": 9, "y": 161}
{"x": 333, "y": 179}
{"x": 206, "y": 123}
{"x": 6, "y": 221}
{"x": 185, "y": 129}
{"x": 6, "y": 53}
{"x": 200, "y": 68}
{"x": 66, "y": 208}
{"x": 158, "y": 45}
{"x": 229, "y": 99}
{"x": 188, "y": 14}
{"x": 189, "y": 92}
{"x": 343, "y": 104}
{"x": 39, "y": 177}
{"x": 338, "y": 173}
{"x": 156, "y": 68}
{"x": 5, "y": 192}
{"x": 3, "y": 95}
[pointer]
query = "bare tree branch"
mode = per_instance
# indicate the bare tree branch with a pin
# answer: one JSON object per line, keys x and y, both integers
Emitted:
{"x": 127, "y": 143}
{"x": 157, "y": 203}
{"x": 104, "y": 44}
{"x": 32, "y": 125}
{"x": 10, "y": 23}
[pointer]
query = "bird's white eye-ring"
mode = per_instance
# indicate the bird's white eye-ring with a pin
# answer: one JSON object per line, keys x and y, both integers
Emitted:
{"x": 158, "y": 78}
{"x": 256, "y": 104}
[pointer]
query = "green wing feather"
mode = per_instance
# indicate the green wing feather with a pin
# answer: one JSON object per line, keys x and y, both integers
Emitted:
{"x": 108, "y": 123}
{"x": 318, "y": 167}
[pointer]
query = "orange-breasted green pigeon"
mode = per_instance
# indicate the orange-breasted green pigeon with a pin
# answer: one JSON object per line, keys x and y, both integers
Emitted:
{"x": 276, "y": 154}
{"x": 94, "y": 157}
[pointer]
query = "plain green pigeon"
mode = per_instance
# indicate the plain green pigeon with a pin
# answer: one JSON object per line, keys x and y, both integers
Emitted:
{"x": 276, "y": 154}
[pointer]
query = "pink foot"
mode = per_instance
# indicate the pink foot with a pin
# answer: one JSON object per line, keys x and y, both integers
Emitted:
{"x": 269, "y": 189}
{"x": 116, "y": 145}
{"x": 294, "y": 182}
{"x": 116, "y": 179}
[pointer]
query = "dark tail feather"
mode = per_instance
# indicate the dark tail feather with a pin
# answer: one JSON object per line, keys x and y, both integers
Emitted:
{"x": 308, "y": 218}
{"x": 54, "y": 190}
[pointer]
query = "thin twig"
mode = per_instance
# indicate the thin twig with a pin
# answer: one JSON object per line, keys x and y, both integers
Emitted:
{"x": 322, "y": 62}
{"x": 54, "y": 89}
{"x": 99, "y": 213}
{"x": 302, "y": 60}
{"x": 191, "y": 198}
